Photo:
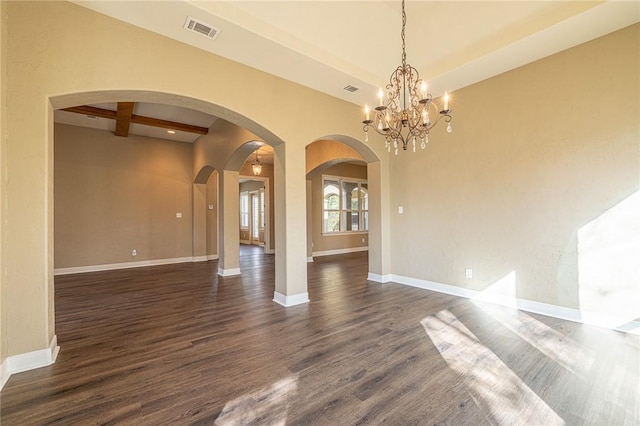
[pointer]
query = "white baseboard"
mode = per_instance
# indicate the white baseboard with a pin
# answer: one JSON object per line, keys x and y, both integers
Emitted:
{"x": 379, "y": 278}
{"x": 126, "y": 265}
{"x": 245, "y": 242}
{"x": 554, "y": 311}
{"x": 29, "y": 361}
{"x": 434, "y": 286}
{"x": 309, "y": 259}
{"x": 269, "y": 251}
{"x": 212, "y": 257}
{"x": 339, "y": 251}
{"x": 4, "y": 373}
{"x": 228, "y": 272}
{"x": 287, "y": 301}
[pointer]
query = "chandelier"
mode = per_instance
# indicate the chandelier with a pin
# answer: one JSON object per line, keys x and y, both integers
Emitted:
{"x": 257, "y": 166}
{"x": 409, "y": 111}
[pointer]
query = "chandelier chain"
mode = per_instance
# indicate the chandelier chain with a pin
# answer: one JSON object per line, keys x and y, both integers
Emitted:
{"x": 404, "y": 23}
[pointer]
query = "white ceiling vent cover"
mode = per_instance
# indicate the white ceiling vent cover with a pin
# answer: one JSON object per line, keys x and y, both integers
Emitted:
{"x": 202, "y": 28}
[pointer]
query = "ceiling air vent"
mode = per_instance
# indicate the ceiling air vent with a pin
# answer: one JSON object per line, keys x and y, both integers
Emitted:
{"x": 202, "y": 28}
{"x": 350, "y": 88}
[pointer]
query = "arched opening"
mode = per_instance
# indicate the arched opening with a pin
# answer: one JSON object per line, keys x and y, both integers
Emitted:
{"x": 206, "y": 184}
{"x": 190, "y": 212}
{"x": 215, "y": 159}
{"x": 256, "y": 182}
{"x": 339, "y": 195}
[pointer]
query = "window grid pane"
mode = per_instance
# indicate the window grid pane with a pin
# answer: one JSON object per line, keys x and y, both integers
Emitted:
{"x": 345, "y": 203}
{"x": 244, "y": 210}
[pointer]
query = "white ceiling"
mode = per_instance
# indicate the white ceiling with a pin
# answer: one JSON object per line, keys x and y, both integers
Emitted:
{"x": 327, "y": 45}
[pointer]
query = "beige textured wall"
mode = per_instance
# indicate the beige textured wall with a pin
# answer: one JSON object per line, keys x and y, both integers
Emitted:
{"x": 333, "y": 242}
{"x": 536, "y": 153}
{"x": 3, "y": 120}
{"x": 116, "y": 194}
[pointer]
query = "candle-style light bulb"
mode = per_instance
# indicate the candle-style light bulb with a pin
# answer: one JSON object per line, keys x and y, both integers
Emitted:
{"x": 446, "y": 101}
{"x": 380, "y": 96}
{"x": 423, "y": 89}
{"x": 366, "y": 112}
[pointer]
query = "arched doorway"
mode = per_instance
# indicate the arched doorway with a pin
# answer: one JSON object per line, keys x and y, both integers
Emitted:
{"x": 364, "y": 177}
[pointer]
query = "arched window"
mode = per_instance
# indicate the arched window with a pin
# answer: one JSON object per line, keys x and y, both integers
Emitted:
{"x": 345, "y": 206}
{"x": 331, "y": 209}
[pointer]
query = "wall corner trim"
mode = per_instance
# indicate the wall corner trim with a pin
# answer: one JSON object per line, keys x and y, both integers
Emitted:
{"x": 29, "y": 361}
{"x": 287, "y": 301}
{"x": 228, "y": 272}
{"x": 379, "y": 278}
{"x": 4, "y": 373}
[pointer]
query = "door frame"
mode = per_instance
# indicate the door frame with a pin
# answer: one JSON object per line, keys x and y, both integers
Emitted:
{"x": 267, "y": 233}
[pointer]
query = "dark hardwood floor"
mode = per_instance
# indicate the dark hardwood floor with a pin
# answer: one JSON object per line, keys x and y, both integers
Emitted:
{"x": 179, "y": 345}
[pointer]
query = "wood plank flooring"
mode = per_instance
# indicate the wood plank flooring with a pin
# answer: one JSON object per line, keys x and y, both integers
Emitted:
{"x": 179, "y": 345}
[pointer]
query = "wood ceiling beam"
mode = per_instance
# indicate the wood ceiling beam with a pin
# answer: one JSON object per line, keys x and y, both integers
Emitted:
{"x": 138, "y": 119}
{"x": 166, "y": 124}
{"x": 96, "y": 112}
{"x": 123, "y": 118}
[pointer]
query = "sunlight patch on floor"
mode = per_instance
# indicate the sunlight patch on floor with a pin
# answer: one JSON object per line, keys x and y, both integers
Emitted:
{"x": 267, "y": 405}
{"x": 496, "y": 389}
{"x": 500, "y": 302}
{"x": 550, "y": 342}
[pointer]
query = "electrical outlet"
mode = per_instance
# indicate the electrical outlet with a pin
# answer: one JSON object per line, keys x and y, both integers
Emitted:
{"x": 468, "y": 273}
{"x": 400, "y": 210}
{"x": 363, "y": 240}
{"x": 134, "y": 252}
{"x": 179, "y": 215}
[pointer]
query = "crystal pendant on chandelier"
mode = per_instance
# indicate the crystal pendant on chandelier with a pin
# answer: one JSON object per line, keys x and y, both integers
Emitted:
{"x": 405, "y": 107}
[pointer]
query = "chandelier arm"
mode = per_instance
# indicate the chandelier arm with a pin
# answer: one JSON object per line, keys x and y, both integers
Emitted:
{"x": 391, "y": 134}
{"x": 447, "y": 119}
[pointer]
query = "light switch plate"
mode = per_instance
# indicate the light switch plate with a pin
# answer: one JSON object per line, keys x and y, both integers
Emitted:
{"x": 179, "y": 215}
